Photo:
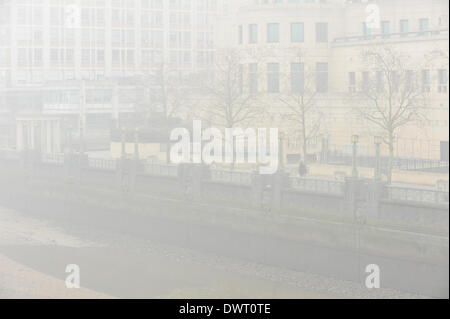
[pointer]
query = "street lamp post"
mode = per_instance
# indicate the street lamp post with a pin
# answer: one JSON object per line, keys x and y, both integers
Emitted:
{"x": 123, "y": 142}
{"x": 136, "y": 144}
{"x": 377, "y": 174}
{"x": 281, "y": 151}
{"x": 355, "y": 140}
{"x": 81, "y": 138}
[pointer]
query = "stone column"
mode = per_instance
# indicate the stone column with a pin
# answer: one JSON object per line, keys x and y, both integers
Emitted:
{"x": 279, "y": 184}
{"x": 257, "y": 189}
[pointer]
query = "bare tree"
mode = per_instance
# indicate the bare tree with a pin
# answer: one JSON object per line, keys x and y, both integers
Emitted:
{"x": 163, "y": 95}
{"x": 391, "y": 96}
{"x": 163, "y": 92}
{"x": 230, "y": 101}
{"x": 301, "y": 101}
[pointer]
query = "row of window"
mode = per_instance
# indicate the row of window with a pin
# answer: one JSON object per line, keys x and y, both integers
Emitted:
{"x": 409, "y": 81}
{"x": 385, "y": 27}
{"x": 66, "y": 57}
{"x": 298, "y": 81}
{"x": 297, "y": 33}
{"x": 119, "y": 37}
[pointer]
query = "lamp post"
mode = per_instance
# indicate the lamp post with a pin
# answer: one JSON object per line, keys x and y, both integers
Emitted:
{"x": 281, "y": 151}
{"x": 355, "y": 140}
{"x": 136, "y": 144}
{"x": 377, "y": 141}
{"x": 25, "y": 136}
{"x": 123, "y": 142}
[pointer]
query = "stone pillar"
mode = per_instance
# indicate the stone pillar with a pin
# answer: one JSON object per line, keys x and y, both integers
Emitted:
{"x": 257, "y": 189}
{"x": 279, "y": 183}
{"x": 198, "y": 174}
{"x": 353, "y": 194}
{"x": 376, "y": 194}
{"x": 191, "y": 179}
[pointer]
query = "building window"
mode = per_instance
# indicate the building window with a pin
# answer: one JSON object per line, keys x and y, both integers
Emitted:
{"x": 395, "y": 81}
{"x": 273, "y": 77}
{"x": 297, "y": 32}
{"x": 322, "y": 32}
{"x": 273, "y": 33}
{"x": 367, "y": 31}
{"x": 365, "y": 81}
{"x": 423, "y": 25}
{"x": 351, "y": 82}
{"x": 409, "y": 85}
{"x": 426, "y": 81}
{"x": 241, "y": 79}
{"x": 253, "y": 33}
{"x": 253, "y": 78}
{"x": 385, "y": 27}
{"x": 297, "y": 77}
{"x": 404, "y": 26}
{"x": 443, "y": 80}
{"x": 380, "y": 81}
{"x": 322, "y": 77}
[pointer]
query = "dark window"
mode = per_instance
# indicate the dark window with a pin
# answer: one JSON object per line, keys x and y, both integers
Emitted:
{"x": 253, "y": 78}
{"x": 322, "y": 32}
{"x": 253, "y": 33}
{"x": 297, "y": 77}
{"x": 273, "y": 33}
{"x": 297, "y": 32}
{"x": 273, "y": 77}
{"x": 322, "y": 77}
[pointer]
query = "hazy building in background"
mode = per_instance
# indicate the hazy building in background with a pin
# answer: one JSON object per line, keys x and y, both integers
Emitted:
{"x": 314, "y": 49}
{"x": 74, "y": 64}
{"x": 69, "y": 58}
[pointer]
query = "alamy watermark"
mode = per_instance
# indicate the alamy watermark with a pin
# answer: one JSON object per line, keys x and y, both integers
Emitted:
{"x": 73, "y": 279}
{"x": 236, "y": 145}
{"x": 373, "y": 279}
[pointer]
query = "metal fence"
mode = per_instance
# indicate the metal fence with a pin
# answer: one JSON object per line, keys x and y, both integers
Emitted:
{"x": 411, "y": 194}
{"x": 231, "y": 176}
{"x": 318, "y": 185}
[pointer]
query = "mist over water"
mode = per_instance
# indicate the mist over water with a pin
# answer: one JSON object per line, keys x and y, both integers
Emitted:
{"x": 224, "y": 149}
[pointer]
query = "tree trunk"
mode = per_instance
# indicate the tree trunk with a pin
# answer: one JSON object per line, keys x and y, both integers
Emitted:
{"x": 391, "y": 157}
{"x": 305, "y": 147}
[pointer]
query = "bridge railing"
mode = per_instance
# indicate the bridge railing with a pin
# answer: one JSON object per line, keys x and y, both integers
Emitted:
{"x": 52, "y": 158}
{"x": 102, "y": 164}
{"x": 231, "y": 176}
{"x": 159, "y": 169}
{"x": 318, "y": 185}
{"x": 410, "y": 194}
